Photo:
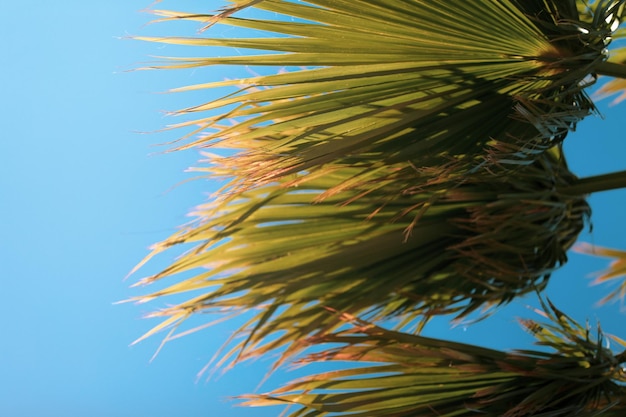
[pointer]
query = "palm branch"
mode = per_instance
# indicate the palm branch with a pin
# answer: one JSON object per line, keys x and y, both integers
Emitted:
{"x": 397, "y": 374}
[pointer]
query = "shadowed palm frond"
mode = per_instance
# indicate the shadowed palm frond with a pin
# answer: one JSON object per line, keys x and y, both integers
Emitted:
{"x": 436, "y": 242}
{"x": 401, "y": 375}
{"x": 616, "y": 270}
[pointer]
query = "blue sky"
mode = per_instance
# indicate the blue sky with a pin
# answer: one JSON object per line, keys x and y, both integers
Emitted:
{"x": 83, "y": 195}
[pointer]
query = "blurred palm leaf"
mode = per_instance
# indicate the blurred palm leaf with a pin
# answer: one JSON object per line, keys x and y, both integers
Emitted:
{"x": 403, "y": 173}
{"x": 616, "y": 86}
{"x": 617, "y": 268}
{"x": 410, "y": 375}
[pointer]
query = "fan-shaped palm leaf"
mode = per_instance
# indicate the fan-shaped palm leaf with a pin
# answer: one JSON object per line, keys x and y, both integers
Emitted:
{"x": 410, "y": 375}
{"x": 405, "y": 81}
{"x": 443, "y": 242}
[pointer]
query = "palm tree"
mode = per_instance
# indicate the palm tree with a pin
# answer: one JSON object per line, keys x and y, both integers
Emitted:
{"x": 406, "y": 163}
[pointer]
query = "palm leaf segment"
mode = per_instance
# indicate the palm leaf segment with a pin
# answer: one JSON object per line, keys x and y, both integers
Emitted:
{"x": 421, "y": 145}
{"x": 411, "y": 375}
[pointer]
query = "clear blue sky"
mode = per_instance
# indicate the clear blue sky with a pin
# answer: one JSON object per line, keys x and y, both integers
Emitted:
{"x": 82, "y": 197}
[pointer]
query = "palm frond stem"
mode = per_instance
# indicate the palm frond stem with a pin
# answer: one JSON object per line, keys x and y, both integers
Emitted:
{"x": 611, "y": 69}
{"x": 594, "y": 184}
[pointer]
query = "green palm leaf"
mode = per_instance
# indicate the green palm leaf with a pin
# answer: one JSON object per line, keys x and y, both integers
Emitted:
{"x": 409, "y": 375}
{"x": 432, "y": 243}
{"x": 405, "y": 81}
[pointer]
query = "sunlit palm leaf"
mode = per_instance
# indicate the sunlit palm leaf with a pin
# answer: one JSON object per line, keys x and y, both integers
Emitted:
{"x": 410, "y": 375}
{"x": 406, "y": 81}
{"x": 616, "y": 270}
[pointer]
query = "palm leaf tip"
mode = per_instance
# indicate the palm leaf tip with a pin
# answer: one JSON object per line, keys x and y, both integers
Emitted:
{"x": 411, "y": 375}
{"x": 615, "y": 271}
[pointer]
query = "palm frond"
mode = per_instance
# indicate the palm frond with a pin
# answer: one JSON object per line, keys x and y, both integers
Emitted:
{"x": 409, "y": 81}
{"x": 616, "y": 270}
{"x": 436, "y": 242}
{"x": 398, "y": 374}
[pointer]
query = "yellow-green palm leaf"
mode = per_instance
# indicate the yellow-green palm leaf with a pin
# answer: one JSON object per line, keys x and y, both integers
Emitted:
{"x": 419, "y": 81}
{"x": 432, "y": 243}
{"x": 400, "y": 375}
